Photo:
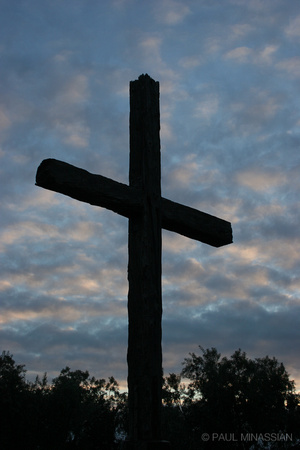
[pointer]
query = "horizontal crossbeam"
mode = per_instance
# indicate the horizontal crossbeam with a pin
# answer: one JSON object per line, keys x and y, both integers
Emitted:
{"x": 127, "y": 201}
{"x": 195, "y": 224}
{"x": 94, "y": 189}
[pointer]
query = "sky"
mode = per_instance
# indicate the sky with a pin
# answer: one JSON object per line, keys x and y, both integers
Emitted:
{"x": 229, "y": 74}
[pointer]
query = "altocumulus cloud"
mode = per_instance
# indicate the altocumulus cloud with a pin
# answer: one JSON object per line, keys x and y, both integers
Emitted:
{"x": 230, "y": 132}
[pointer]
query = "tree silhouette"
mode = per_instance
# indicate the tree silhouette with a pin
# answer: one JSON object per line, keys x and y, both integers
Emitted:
{"x": 238, "y": 395}
{"x": 224, "y": 396}
{"x": 74, "y": 412}
{"x": 13, "y": 402}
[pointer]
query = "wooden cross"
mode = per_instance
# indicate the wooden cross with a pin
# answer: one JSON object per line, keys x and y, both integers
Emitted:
{"x": 148, "y": 213}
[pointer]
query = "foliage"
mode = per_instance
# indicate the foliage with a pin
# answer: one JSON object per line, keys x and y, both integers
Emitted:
{"x": 13, "y": 400}
{"x": 74, "y": 412}
{"x": 238, "y": 396}
{"x": 224, "y": 397}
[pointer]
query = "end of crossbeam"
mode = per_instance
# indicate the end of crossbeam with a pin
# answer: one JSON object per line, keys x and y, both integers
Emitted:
{"x": 195, "y": 224}
{"x": 43, "y": 174}
{"x": 59, "y": 176}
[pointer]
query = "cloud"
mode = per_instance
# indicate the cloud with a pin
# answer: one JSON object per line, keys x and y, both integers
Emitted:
{"x": 182, "y": 175}
{"x": 255, "y": 114}
{"x": 28, "y": 231}
{"x": 293, "y": 29}
{"x": 230, "y": 139}
{"x": 53, "y": 347}
{"x": 291, "y": 66}
{"x": 75, "y": 91}
{"x": 240, "y": 54}
{"x": 207, "y": 108}
{"x": 241, "y": 30}
{"x": 252, "y": 56}
{"x": 190, "y": 62}
{"x": 5, "y": 122}
{"x": 172, "y": 12}
{"x": 225, "y": 328}
{"x": 260, "y": 180}
{"x": 76, "y": 135}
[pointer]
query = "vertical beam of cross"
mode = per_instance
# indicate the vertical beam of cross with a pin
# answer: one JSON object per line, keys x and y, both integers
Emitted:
{"x": 148, "y": 213}
{"x": 144, "y": 268}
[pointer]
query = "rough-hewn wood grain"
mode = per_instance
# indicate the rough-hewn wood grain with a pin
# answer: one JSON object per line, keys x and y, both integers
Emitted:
{"x": 144, "y": 268}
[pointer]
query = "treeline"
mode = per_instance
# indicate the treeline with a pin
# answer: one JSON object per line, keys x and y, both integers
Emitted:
{"x": 234, "y": 402}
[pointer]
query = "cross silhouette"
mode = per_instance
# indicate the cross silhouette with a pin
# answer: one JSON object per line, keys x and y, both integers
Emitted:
{"x": 148, "y": 213}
